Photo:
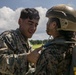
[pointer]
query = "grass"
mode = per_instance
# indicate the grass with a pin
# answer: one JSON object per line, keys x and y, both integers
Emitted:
{"x": 36, "y": 46}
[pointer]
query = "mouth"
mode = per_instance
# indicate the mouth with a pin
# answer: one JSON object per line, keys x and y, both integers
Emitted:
{"x": 48, "y": 29}
{"x": 31, "y": 32}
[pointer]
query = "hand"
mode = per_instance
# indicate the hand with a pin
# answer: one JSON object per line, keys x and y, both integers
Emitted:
{"x": 34, "y": 55}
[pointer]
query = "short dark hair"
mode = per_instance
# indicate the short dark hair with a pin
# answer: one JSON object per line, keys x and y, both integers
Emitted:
{"x": 30, "y": 13}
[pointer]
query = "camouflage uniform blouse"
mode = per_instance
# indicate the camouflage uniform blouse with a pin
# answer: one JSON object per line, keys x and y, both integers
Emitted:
{"x": 54, "y": 59}
{"x": 13, "y": 49}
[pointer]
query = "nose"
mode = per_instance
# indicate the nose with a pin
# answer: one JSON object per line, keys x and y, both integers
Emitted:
{"x": 33, "y": 27}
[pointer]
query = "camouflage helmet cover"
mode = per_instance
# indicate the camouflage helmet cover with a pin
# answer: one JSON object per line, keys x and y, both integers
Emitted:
{"x": 66, "y": 14}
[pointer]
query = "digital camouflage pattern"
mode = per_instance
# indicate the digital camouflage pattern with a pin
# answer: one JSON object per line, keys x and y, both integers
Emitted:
{"x": 13, "y": 49}
{"x": 54, "y": 59}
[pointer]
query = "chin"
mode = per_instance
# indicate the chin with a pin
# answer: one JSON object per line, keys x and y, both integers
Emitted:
{"x": 30, "y": 36}
{"x": 48, "y": 33}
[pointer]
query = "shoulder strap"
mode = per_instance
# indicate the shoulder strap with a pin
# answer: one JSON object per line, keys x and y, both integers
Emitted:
{"x": 58, "y": 41}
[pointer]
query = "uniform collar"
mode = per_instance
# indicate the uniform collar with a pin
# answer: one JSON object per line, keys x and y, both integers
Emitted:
{"x": 23, "y": 39}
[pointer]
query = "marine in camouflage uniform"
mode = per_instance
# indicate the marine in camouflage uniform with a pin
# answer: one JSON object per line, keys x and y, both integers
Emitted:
{"x": 56, "y": 56}
{"x": 15, "y": 47}
{"x": 55, "y": 59}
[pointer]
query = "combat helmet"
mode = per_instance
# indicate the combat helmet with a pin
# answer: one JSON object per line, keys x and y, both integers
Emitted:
{"x": 66, "y": 14}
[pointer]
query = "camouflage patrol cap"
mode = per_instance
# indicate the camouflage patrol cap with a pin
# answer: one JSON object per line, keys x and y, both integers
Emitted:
{"x": 66, "y": 14}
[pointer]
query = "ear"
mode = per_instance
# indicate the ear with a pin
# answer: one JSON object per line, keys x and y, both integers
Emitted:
{"x": 19, "y": 21}
{"x": 54, "y": 24}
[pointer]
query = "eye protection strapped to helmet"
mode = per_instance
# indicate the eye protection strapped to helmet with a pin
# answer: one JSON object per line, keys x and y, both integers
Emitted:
{"x": 66, "y": 14}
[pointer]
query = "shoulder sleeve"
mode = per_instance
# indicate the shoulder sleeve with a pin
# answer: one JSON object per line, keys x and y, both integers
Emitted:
{"x": 8, "y": 39}
{"x": 11, "y": 63}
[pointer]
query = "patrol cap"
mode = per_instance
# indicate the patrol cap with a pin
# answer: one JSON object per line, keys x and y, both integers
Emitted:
{"x": 66, "y": 14}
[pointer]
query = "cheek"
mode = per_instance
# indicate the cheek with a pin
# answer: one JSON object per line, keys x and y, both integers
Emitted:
{"x": 51, "y": 27}
{"x": 24, "y": 29}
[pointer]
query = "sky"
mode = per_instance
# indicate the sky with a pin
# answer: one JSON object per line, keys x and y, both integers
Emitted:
{"x": 10, "y": 12}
